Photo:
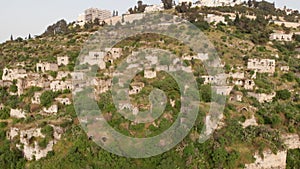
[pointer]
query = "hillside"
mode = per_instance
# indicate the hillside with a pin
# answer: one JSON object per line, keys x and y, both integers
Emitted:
{"x": 39, "y": 127}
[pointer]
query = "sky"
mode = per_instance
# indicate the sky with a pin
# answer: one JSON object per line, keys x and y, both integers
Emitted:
{"x": 23, "y": 17}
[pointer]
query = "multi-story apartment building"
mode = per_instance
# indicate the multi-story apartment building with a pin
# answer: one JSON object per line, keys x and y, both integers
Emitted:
{"x": 91, "y": 14}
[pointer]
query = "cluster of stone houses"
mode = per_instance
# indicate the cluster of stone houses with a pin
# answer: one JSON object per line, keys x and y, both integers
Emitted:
{"x": 221, "y": 82}
{"x": 102, "y": 57}
{"x": 25, "y": 80}
{"x": 33, "y": 150}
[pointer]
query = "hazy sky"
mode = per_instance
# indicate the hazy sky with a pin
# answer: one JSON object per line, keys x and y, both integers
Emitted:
{"x": 21, "y": 17}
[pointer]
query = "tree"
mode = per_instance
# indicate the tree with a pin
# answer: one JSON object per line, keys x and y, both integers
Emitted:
{"x": 237, "y": 19}
{"x": 296, "y": 37}
{"x": 47, "y": 98}
{"x": 168, "y": 4}
{"x": 250, "y": 3}
{"x": 96, "y": 21}
{"x": 182, "y": 8}
{"x": 283, "y": 94}
{"x": 293, "y": 157}
{"x": 141, "y": 7}
{"x": 130, "y": 10}
{"x": 11, "y": 37}
{"x": 13, "y": 88}
{"x": 29, "y": 36}
{"x": 60, "y": 27}
{"x": 205, "y": 93}
{"x": 19, "y": 39}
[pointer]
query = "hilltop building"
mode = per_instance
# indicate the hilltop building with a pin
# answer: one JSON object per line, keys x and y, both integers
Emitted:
{"x": 91, "y": 14}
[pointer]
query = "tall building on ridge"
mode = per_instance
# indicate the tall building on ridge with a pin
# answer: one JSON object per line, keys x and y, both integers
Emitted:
{"x": 91, "y": 14}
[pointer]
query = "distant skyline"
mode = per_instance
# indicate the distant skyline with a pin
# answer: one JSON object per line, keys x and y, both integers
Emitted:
{"x": 21, "y": 18}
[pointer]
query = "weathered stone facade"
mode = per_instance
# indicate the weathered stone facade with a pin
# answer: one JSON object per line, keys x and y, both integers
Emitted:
{"x": 262, "y": 97}
{"x": 262, "y": 65}
{"x": 64, "y": 60}
{"x": 43, "y": 67}
{"x": 17, "y": 113}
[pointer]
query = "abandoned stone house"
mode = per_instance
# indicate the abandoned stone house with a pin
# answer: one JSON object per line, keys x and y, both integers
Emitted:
{"x": 133, "y": 58}
{"x": 269, "y": 160}
{"x": 136, "y": 87}
{"x": 249, "y": 84}
{"x": 64, "y": 101}
{"x": 13, "y": 74}
{"x": 152, "y": 60}
{"x": 128, "y": 107}
{"x": 238, "y": 82}
{"x": 292, "y": 141}
{"x": 262, "y": 65}
{"x": 21, "y": 84}
{"x": 237, "y": 75}
{"x": 250, "y": 122}
{"x": 223, "y": 90}
{"x": 33, "y": 151}
{"x": 36, "y": 98}
{"x": 95, "y": 58}
{"x": 51, "y": 110}
{"x": 4, "y": 83}
{"x": 281, "y": 37}
{"x": 63, "y": 61}
{"x": 102, "y": 86}
{"x": 285, "y": 68}
{"x": 236, "y": 96}
{"x": 199, "y": 56}
{"x": 149, "y": 73}
{"x": 43, "y": 67}
{"x": 262, "y": 97}
{"x": 12, "y": 133}
{"x": 37, "y": 82}
{"x": 77, "y": 76}
{"x": 61, "y": 75}
{"x": 115, "y": 53}
{"x": 17, "y": 113}
{"x": 219, "y": 79}
{"x": 61, "y": 85}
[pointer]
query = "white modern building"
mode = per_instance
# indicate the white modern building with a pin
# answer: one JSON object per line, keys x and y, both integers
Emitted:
{"x": 91, "y": 14}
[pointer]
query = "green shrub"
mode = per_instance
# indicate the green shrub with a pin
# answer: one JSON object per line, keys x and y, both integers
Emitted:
{"x": 283, "y": 94}
{"x": 47, "y": 98}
